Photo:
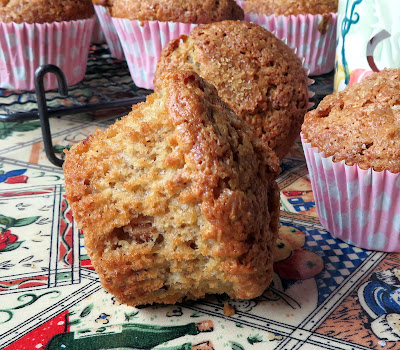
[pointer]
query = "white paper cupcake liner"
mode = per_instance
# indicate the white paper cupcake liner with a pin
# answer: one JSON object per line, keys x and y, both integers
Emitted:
{"x": 110, "y": 32}
{"x": 314, "y": 37}
{"x": 143, "y": 42}
{"x": 361, "y": 207}
{"x": 24, "y": 47}
{"x": 97, "y": 34}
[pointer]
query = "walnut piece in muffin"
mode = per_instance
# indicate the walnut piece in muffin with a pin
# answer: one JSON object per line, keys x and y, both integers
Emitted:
{"x": 255, "y": 73}
{"x": 361, "y": 124}
{"x": 177, "y": 199}
{"x": 42, "y": 11}
{"x": 291, "y": 7}
{"x": 192, "y": 11}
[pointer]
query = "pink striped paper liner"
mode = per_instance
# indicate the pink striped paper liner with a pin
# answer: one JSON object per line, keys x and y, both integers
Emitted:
{"x": 97, "y": 34}
{"x": 361, "y": 207}
{"x": 302, "y": 33}
{"x": 110, "y": 32}
{"x": 142, "y": 43}
{"x": 24, "y": 47}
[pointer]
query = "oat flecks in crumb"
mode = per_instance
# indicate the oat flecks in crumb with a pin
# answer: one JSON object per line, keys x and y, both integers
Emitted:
{"x": 255, "y": 73}
{"x": 177, "y": 199}
{"x": 229, "y": 310}
{"x": 291, "y": 7}
{"x": 42, "y": 11}
{"x": 361, "y": 124}
{"x": 192, "y": 11}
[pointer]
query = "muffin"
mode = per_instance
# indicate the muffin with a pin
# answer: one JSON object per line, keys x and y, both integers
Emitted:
{"x": 307, "y": 25}
{"x": 255, "y": 73}
{"x": 194, "y": 11}
{"x": 103, "y": 14}
{"x": 352, "y": 146}
{"x": 145, "y": 27}
{"x": 49, "y": 32}
{"x": 40, "y": 11}
{"x": 291, "y": 7}
{"x": 177, "y": 199}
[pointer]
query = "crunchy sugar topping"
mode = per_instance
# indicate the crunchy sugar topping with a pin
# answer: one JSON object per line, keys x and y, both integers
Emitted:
{"x": 360, "y": 124}
{"x": 42, "y": 11}
{"x": 255, "y": 73}
{"x": 291, "y": 7}
{"x": 192, "y": 11}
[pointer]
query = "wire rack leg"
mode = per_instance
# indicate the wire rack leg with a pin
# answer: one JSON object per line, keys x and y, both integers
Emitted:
{"x": 42, "y": 106}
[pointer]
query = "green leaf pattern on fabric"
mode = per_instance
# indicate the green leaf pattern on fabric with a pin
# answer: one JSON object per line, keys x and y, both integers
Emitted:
{"x": 7, "y": 129}
{"x": 25, "y": 221}
{"x": 236, "y": 346}
{"x": 7, "y": 221}
{"x": 11, "y": 246}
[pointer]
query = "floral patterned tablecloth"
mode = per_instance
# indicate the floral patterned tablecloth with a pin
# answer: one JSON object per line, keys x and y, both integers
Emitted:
{"x": 51, "y": 297}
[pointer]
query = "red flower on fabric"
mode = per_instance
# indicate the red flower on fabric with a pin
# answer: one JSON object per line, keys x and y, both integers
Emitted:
{"x": 20, "y": 179}
{"x": 7, "y": 238}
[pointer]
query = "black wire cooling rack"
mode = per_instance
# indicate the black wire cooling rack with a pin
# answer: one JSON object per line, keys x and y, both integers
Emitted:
{"x": 107, "y": 85}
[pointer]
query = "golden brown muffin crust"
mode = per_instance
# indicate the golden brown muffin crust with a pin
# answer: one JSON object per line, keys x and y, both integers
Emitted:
{"x": 360, "y": 124}
{"x": 255, "y": 73}
{"x": 177, "y": 199}
{"x": 42, "y": 11}
{"x": 193, "y": 11}
{"x": 291, "y": 7}
{"x": 102, "y": 2}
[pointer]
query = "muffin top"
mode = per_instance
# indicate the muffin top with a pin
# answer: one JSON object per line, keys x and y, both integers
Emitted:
{"x": 255, "y": 73}
{"x": 291, "y": 7}
{"x": 361, "y": 124}
{"x": 42, "y": 11}
{"x": 192, "y": 11}
{"x": 102, "y": 2}
{"x": 176, "y": 199}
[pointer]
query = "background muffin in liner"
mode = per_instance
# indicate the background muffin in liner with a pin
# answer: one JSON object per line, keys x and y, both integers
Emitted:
{"x": 308, "y": 26}
{"x": 42, "y": 32}
{"x": 255, "y": 73}
{"x": 352, "y": 147}
{"x": 146, "y": 26}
